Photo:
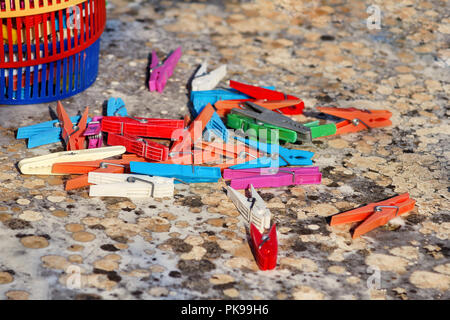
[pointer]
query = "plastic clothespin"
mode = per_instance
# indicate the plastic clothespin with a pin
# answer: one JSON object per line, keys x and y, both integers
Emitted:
{"x": 159, "y": 73}
{"x": 142, "y": 127}
{"x": 265, "y": 247}
{"x": 270, "y": 117}
{"x": 207, "y": 81}
{"x": 375, "y": 214}
{"x": 45, "y": 132}
{"x": 267, "y": 94}
{"x": 93, "y": 133}
{"x": 255, "y": 129}
{"x": 72, "y": 136}
{"x": 142, "y": 147}
{"x": 42, "y": 165}
{"x": 253, "y": 209}
{"x": 116, "y": 107}
{"x": 185, "y": 173}
{"x": 84, "y": 167}
{"x": 193, "y": 133}
{"x": 272, "y": 177}
{"x": 223, "y": 107}
{"x": 218, "y": 154}
{"x": 318, "y": 130}
{"x": 357, "y": 120}
{"x": 277, "y": 156}
{"x": 129, "y": 185}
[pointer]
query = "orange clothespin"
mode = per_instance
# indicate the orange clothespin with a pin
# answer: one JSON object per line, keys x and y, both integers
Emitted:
{"x": 375, "y": 214}
{"x": 218, "y": 154}
{"x": 193, "y": 133}
{"x": 72, "y": 135}
{"x": 357, "y": 120}
{"x": 84, "y": 167}
{"x": 223, "y": 107}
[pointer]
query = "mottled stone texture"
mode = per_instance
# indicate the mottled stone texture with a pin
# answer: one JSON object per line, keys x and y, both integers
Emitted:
{"x": 57, "y": 244}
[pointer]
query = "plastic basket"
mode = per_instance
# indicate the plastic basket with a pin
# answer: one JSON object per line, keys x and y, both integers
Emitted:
{"x": 50, "y": 56}
{"x": 21, "y": 8}
{"x": 47, "y": 37}
{"x": 50, "y": 81}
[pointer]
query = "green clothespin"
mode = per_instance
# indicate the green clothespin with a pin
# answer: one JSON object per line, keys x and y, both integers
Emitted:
{"x": 318, "y": 131}
{"x": 255, "y": 128}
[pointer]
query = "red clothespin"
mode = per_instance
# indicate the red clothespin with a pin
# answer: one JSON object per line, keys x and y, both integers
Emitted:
{"x": 375, "y": 214}
{"x": 84, "y": 167}
{"x": 357, "y": 120}
{"x": 223, "y": 107}
{"x": 72, "y": 136}
{"x": 267, "y": 94}
{"x": 142, "y": 147}
{"x": 142, "y": 127}
{"x": 265, "y": 247}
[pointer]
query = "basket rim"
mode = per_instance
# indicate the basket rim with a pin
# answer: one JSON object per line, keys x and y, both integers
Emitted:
{"x": 48, "y": 6}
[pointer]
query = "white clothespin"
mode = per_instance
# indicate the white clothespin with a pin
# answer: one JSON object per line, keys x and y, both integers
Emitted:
{"x": 253, "y": 209}
{"x": 207, "y": 81}
{"x": 129, "y": 185}
{"x": 42, "y": 165}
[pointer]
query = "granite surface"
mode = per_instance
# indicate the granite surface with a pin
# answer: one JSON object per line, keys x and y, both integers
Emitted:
{"x": 194, "y": 246}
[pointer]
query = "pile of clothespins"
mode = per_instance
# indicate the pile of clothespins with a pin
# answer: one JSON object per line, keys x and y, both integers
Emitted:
{"x": 155, "y": 154}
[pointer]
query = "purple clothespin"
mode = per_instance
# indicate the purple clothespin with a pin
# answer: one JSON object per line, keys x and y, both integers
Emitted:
{"x": 159, "y": 73}
{"x": 272, "y": 177}
{"x": 94, "y": 133}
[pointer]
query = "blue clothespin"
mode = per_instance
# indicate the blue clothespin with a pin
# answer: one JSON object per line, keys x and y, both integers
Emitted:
{"x": 185, "y": 173}
{"x": 44, "y": 133}
{"x": 116, "y": 107}
{"x": 278, "y": 156}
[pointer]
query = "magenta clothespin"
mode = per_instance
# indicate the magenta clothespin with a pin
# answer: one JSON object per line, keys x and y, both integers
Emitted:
{"x": 272, "y": 177}
{"x": 159, "y": 73}
{"x": 94, "y": 133}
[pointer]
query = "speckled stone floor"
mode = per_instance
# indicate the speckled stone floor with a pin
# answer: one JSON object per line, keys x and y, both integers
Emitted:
{"x": 194, "y": 246}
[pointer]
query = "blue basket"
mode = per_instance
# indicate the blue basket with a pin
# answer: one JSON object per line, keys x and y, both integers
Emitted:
{"x": 71, "y": 75}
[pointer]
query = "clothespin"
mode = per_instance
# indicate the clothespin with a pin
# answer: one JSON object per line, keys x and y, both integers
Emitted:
{"x": 267, "y": 94}
{"x": 207, "y": 81}
{"x": 272, "y": 177}
{"x": 93, "y": 133}
{"x": 72, "y": 136}
{"x": 193, "y": 133}
{"x": 116, "y": 107}
{"x": 318, "y": 130}
{"x": 42, "y": 165}
{"x": 256, "y": 130}
{"x": 375, "y": 214}
{"x": 253, "y": 209}
{"x": 159, "y": 73}
{"x": 142, "y": 147}
{"x": 265, "y": 247}
{"x": 185, "y": 173}
{"x": 357, "y": 120}
{"x": 45, "y": 132}
{"x": 84, "y": 167}
{"x": 277, "y": 156}
{"x": 129, "y": 185}
{"x": 223, "y": 107}
{"x": 142, "y": 127}
{"x": 270, "y": 117}
{"x": 218, "y": 154}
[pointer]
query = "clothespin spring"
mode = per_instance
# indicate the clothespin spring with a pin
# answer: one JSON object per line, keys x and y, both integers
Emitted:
{"x": 380, "y": 208}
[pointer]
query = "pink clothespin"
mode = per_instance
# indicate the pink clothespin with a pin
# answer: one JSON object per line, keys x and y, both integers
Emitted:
{"x": 159, "y": 73}
{"x": 272, "y": 177}
{"x": 94, "y": 133}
